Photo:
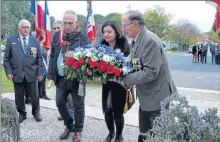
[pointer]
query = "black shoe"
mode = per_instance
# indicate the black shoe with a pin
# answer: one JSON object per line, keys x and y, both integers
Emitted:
{"x": 22, "y": 118}
{"x": 141, "y": 138}
{"x": 119, "y": 138}
{"x": 38, "y": 118}
{"x": 110, "y": 137}
{"x": 27, "y": 101}
{"x": 60, "y": 118}
{"x": 66, "y": 133}
{"x": 46, "y": 98}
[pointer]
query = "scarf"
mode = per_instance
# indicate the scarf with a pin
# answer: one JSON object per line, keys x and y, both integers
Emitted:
{"x": 65, "y": 39}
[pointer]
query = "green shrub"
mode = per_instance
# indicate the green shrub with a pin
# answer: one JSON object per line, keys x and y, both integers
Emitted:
{"x": 183, "y": 123}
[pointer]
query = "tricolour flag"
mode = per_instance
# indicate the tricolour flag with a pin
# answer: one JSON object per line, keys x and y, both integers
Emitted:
{"x": 90, "y": 26}
{"x": 47, "y": 27}
{"x": 42, "y": 20}
{"x": 216, "y": 4}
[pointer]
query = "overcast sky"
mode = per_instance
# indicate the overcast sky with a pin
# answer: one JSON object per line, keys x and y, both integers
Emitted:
{"x": 198, "y": 12}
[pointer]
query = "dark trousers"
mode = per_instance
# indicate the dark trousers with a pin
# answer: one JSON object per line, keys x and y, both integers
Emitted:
{"x": 213, "y": 58}
{"x": 113, "y": 102}
{"x": 26, "y": 94}
{"x": 69, "y": 103}
{"x": 110, "y": 118}
{"x": 217, "y": 59}
{"x": 19, "y": 96}
{"x": 146, "y": 119}
{"x": 199, "y": 55}
{"x": 42, "y": 88}
{"x": 63, "y": 89}
{"x": 204, "y": 57}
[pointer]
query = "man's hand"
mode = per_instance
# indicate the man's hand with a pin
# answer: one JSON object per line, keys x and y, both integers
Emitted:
{"x": 10, "y": 77}
{"x": 39, "y": 78}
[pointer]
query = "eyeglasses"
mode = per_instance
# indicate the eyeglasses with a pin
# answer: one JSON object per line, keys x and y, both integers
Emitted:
{"x": 124, "y": 26}
{"x": 25, "y": 27}
{"x": 67, "y": 23}
{"x": 56, "y": 28}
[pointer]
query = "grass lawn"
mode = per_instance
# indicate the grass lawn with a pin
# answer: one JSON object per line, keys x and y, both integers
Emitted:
{"x": 7, "y": 85}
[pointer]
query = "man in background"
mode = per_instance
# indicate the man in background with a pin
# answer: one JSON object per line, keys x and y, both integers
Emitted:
{"x": 204, "y": 53}
{"x": 212, "y": 51}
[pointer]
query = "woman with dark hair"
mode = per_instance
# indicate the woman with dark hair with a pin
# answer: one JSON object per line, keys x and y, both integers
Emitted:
{"x": 194, "y": 52}
{"x": 114, "y": 94}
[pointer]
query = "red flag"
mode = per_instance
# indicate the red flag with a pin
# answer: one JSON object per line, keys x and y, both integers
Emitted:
{"x": 91, "y": 29}
{"x": 42, "y": 21}
{"x": 217, "y": 1}
{"x": 47, "y": 27}
{"x": 217, "y": 5}
{"x": 217, "y": 21}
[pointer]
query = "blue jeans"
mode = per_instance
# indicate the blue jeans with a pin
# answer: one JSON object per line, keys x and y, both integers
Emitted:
{"x": 63, "y": 89}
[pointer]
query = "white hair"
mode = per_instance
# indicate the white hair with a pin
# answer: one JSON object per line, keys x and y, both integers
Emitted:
{"x": 24, "y": 21}
{"x": 72, "y": 13}
{"x": 58, "y": 22}
{"x": 135, "y": 15}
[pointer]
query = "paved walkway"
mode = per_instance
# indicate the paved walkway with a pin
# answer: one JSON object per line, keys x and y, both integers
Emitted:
{"x": 95, "y": 129}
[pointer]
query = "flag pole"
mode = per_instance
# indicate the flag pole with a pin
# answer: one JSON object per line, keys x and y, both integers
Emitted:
{"x": 90, "y": 23}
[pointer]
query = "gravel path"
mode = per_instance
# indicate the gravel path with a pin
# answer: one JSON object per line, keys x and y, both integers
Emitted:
{"x": 50, "y": 128}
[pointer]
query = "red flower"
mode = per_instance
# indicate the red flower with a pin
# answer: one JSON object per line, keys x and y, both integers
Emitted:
{"x": 65, "y": 62}
{"x": 75, "y": 65}
{"x": 86, "y": 72}
{"x": 117, "y": 73}
{"x": 102, "y": 67}
{"x": 70, "y": 61}
{"x": 81, "y": 61}
{"x": 111, "y": 69}
{"x": 92, "y": 63}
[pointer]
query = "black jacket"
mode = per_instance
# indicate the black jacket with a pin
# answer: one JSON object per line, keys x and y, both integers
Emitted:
{"x": 80, "y": 40}
{"x": 19, "y": 64}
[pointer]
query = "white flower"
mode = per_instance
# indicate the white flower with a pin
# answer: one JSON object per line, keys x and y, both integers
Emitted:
{"x": 89, "y": 54}
{"x": 125, "y": 70}
{"x": 106, "y": 58}
{"x": 176, "y": 119}
{"x": 118, "y": 50}
{"x": 87, "y": 50}
{"x": 112, "y": 58}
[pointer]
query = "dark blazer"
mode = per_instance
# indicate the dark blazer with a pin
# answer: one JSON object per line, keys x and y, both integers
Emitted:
{"x": 19, "y": 64}
{"x": 154, "y": 82}
{"x": 80, "y": 40}
{"x": 194, "y": 50}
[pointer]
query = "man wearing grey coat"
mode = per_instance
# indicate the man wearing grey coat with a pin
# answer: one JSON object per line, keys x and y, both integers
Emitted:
{"x": 153, "y": 79}
{"x": 23, "y": 65}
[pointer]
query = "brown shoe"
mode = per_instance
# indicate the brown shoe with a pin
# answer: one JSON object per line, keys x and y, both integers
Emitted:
{"x": 77, "y": 137}
{"x": 65, "y": 134}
